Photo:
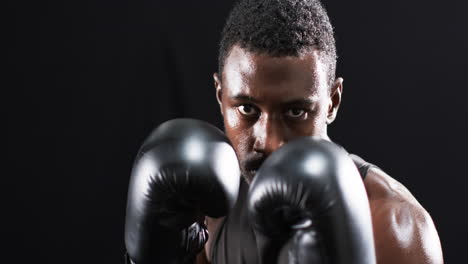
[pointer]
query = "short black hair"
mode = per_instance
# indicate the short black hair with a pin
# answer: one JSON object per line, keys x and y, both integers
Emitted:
{"x": 279, "y": 28}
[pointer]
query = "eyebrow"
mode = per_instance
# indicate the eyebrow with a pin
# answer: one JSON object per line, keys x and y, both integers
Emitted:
{"x": 243, "y": 97}
{"x": 301, "y": 101}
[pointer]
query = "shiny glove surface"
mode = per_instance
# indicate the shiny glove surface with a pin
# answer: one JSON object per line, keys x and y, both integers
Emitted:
{"x": 308, "y": 204}
{"x": 186, "y": 169}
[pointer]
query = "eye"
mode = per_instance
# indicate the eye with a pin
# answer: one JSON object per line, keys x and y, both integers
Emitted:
{"x": 296, "y": 113}
{"x": 247, "y": 110}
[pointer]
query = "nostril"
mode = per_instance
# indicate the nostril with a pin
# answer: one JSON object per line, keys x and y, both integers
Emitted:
{"x": 259, "y": 144}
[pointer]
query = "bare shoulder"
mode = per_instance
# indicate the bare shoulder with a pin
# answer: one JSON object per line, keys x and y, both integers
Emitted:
{"x": 403, "y": 230}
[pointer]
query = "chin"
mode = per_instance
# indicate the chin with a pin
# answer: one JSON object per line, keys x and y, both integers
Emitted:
{"x": 248, "y": 176}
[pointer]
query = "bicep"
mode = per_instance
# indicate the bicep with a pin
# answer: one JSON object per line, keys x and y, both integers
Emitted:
{"x": 201, "y": 258}
{"x": 213, "y": 225}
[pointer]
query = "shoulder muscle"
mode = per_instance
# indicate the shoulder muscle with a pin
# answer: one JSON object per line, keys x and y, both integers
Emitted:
{"x": 403, "y": 230}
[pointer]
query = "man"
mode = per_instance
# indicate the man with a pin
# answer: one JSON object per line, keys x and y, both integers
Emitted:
{"x": 276, "y": 82}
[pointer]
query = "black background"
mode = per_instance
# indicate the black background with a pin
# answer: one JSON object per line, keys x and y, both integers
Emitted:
{"x": 86, "y": 81}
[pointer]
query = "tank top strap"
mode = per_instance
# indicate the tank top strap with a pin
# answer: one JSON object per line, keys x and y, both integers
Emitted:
{"x": 362, "y": 165}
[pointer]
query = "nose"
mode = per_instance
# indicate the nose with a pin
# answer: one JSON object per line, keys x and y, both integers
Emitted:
{"x": 270, "y": 134}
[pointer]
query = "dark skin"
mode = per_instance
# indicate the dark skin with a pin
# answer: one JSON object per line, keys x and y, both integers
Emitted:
{"x": 267, "y": 101}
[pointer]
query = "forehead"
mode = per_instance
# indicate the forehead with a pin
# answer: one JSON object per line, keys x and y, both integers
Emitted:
{"x": 264, "y": 75}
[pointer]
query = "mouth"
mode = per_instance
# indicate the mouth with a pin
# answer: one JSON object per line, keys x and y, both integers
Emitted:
{"x": 252, "y": 166}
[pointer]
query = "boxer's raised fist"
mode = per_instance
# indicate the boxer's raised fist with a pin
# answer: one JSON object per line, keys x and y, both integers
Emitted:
{"x": 185, "y": 169}
{"x": 308, "y": 204}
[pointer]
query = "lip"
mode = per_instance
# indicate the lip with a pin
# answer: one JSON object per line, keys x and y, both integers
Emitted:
{"x": 254, "y": 165}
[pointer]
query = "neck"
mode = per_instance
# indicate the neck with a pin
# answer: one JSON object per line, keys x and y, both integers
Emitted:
{"x": 324, "y": 135}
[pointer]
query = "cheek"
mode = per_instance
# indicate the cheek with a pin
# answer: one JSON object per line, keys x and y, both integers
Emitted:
{"x": 231, "y": 120}
{"x": 320, "y": 120}
{"x": 316, "y": 124}
{"x": 237, "y": 134}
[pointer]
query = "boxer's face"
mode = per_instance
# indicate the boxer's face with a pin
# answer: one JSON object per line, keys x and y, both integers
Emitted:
{"x": 267, "y": 101}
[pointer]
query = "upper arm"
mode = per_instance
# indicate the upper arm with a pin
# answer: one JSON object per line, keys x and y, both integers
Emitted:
{"x": 201, "y": 258}
{"x": 404, "y": 232}
{"x": 213, "y": 224}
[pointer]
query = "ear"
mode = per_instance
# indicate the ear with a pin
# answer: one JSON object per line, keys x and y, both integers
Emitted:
{"x": 335, "y": 100}
{"x": 219, "y": 93}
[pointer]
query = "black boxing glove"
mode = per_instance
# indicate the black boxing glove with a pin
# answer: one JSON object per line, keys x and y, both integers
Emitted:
{"x": 308, "y": 204}
{"x": 185, "y": 169}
